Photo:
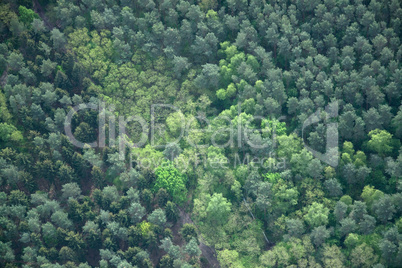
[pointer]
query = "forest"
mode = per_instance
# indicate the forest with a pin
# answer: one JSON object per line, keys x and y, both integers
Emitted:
{"x": 200, "y": 133}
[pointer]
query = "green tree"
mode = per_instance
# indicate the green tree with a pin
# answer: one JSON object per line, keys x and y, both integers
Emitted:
{"x": 363, "y": 256}
{"x": 162, "y": 197}
{"x": 27, "y": 15}
{"x": 58, "y": 39}
{"x": 71, "y": 190}
{"x": 172, "y": 212}
{"x": 157, "y": 217}
{"x": 319, "y": 235}
{"x": 229, "y": 258}
{"x": 67, "y": 254}
{"x": 218, "y": 209}
{"x": 317, "y": 214}
{"x": 192, "y": 248}
{"x": 380, "y": 141}
{"x": 169, "y": 178}
{"x": 48, "y": 67}
{"x": 333, "y": 257}
{"x": 188, "y": 232}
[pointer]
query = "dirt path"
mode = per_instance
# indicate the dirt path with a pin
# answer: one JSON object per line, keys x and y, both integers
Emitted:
{"x": 39, "y": 10}
{"x": 3, "y": 78}
{"x": 207, "y": 252}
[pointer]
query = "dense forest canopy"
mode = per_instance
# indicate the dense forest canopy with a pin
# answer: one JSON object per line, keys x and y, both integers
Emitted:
{"x": 211, "y": 133}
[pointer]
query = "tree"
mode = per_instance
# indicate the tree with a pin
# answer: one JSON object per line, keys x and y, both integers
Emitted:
{"x": 61, "y": 219}
{"x": 276, "y": 257}
{"x": 9, "y": 133}
{"x": 15, "y": 61}
{"x": 157, "y": 217}
{"x": 300, "y": 162}
{"x": 228, "y": 258}
{"x": 27, "y": 15}
{"x": 130, "y": 178}
{"x": 319, "y": 235}
{"x": 188, "y": 232}
{"x": 66, "y": 173}
{"x": 97, "y": 176}
{"x": 38, "y": 26}
{"x": 397, "y": 123}
{"x": 162, "y": 197}
{"x": 333, "y": 187}
{"x": 315, "y": 169}
{"x": 181, "y": 65}
{"x": 58, "y": 39}
{"x": 166, "y": 262}
{"x": 367, "y": 225}
{"x": 348, "y": 226}
{"x": 209, "y": 77}
{"x": 48, "y": 67}
{"x": 295, "y": 227}
{"x": 264, "y": 196}
{"x": 380, "y": 141}
{"x": 16, "y": 27}
{"x": 16, "y": 197}
{"x": 192, "y": 248}
{"x": 172, "y": 151}
{"x": 74, "y": 240}
{"x": 172, "y": 212}
{"x": 333, "y": 257}
{"x": 91, "y": 233}
{"x": 136, "y": 212}
{"x": 316, "y": 215}
{"x": 218, "y": 209}
{"x": 363, "y": 256}
{"x": 11, "y": 174}
{"x": 370, "y": 194}
{"x": 169, "y": 178}
{"x": 172, "y": 250}
{"x": 67, "y": 254}
{"x": 71, "y": 190}
{"x": 110, "y": 195}
{"x": 359, "y": 209}
{"x": 49, "y": 234}
{"x": 7, "y": 253}
{"x": 384, "y": 208}
{"x": 252, "y": 183}
{"x": 388, "y": 250}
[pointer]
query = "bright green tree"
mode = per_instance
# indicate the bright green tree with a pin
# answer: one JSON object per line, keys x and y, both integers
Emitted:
{"x": 380, "y": 141}
{"x": 169, "y": 178}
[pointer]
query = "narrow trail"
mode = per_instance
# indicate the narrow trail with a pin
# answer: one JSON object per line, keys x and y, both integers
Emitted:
{"x": 207, "y": 252}
{"x": 39, "y": 10}
{"x": 3, "y": 78}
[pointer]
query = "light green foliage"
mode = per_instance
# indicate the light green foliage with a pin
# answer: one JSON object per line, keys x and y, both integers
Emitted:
{"x": 9, "y": 133}
{"x": 317, "y": 214}
{"x": 218, "y": 209}
{"x": 380, "y": 141}
{"x": 169, "y": 178}
{"x": 370, "y": 194}
{"x": 288, "y": 145}
{"x": 363, "y": 256}
{"x": 229, "y": 258}
{"x": 285, "y": 195}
